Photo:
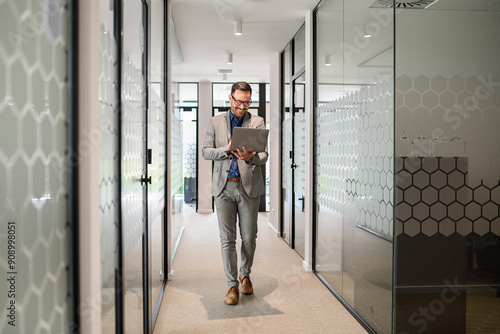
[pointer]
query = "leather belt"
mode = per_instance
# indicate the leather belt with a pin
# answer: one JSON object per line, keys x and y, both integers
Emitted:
{"x": 234, "y": 179}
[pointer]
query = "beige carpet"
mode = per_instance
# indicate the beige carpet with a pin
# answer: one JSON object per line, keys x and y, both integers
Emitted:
{"x": 287, "y": 299}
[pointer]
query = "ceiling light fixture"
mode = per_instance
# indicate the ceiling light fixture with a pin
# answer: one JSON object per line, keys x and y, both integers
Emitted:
{"x": 366, "y": 32}
{"x": 327, "y": 61}
{"x": 229, "y": 58}
{"x": 237, "y": 28}
{"x": 225, "y": 71}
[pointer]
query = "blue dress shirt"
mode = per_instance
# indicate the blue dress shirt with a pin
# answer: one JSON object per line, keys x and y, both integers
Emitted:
{"x": 234, "y": 171}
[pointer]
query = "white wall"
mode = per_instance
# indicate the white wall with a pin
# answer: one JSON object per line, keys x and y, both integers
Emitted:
{"x": 274, "y": 145}
{"x": 204, "y": 166}
{"x": 309, "y": 147}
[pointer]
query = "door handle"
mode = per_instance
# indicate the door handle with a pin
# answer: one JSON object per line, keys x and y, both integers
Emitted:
{"x": 303, "y": 203}
{"x": 145, "y": 179}
{"x": 294, "y": 166}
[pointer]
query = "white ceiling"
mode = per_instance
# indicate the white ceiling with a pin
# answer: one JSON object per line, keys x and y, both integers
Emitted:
{"x": 205, "y": 30}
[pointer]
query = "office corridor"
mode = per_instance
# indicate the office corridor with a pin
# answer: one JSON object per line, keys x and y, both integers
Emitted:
{"x": 287, "y": 299}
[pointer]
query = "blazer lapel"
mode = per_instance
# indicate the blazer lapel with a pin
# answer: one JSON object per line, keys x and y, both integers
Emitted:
{"x": 228, "y": 125}
{"x": 246, "y": 120}
{"x": 246, "y": 123}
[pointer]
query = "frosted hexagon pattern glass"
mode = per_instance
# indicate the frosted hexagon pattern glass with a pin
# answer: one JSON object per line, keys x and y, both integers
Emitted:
{"x": 455, "y": 116}
{"x": 109, "y": 177}
{"x": 176, "y": 165}
{"x": 133, "y": 132}
{"x": 156, "y": 197}
{"x": 355, "y": 156}
{"x": 132, "y": 96}
{"x": 286, "y": 180}
{"x": 177, "y": 172}
{"x": 287, "y": 148}
{"x": 34, "y": 167}
{"x": 459, "y": 207}
{"x": 300, "y": 154}
{"x": 449, "y": 118}
{"x": 190, "y": 159}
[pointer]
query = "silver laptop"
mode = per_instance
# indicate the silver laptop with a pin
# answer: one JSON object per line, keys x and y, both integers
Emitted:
{"x": 253, "y": 139}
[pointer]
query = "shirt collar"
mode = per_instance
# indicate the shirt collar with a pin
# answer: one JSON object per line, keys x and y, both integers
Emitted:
{"x": 234, "y": 120}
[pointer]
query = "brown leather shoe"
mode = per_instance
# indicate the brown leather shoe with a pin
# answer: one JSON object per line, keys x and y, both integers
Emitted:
{"x": 232, "y": 295}
{"x": 246, "y": 285}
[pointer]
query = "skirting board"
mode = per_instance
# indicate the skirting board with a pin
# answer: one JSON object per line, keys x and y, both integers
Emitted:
{"x": 271, "y": 226}
{"x": 328, "y": 267}
{"x": 307, "y": 266}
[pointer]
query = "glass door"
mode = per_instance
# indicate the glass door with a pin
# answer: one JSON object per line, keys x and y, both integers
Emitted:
{"x": 447, "y": 158}
{"x": 298, "y": 163}
{"x": 156, "y": 160}
{"x": 293, "y": 141}
{"x": 134, "y": 100}
{"x": 109, "y": 170}
{"x": 286, "y": 159}
{"x": 353, "y": 162}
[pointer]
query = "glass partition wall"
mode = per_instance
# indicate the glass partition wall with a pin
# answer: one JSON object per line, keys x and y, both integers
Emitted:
{"x": 354, "y": 158}
{"x": 132, "y": 165}
{"x": 298, "y": 164}
{"x": 447, "y": 227}
{"x": 286, "y": 149}
{"x": 38, "y": 229}
{"x": 157, "y": 119}
{"x": 293, "y": 148}
{"x": 407, "y": 166}
{"x": 109, "y": 171}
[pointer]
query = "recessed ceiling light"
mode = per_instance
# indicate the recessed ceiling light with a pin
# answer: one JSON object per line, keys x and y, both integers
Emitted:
{"x": 327, "y": 61}
{"x": 366, "y": 32}
{"x": 238, "y": 28}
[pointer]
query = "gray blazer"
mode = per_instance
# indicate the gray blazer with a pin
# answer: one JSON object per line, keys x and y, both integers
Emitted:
{"x": 217, "y": 137}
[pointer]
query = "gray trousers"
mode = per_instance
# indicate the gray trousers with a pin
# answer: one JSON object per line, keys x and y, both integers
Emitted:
{"x": 234, "y": 205}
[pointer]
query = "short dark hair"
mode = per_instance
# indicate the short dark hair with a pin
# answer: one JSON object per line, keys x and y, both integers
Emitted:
{"x": 241, "y": 85}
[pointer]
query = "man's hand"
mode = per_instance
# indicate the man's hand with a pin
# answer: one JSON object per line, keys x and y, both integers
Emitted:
{"x": 244, "y": 155}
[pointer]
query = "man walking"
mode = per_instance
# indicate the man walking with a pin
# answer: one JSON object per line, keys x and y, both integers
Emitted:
{"x": 237, "y": 184}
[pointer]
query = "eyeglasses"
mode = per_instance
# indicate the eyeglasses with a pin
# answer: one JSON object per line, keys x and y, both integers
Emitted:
{"x": 239, "y": 102}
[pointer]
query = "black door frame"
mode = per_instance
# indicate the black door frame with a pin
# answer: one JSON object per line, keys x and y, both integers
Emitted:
{"x": 146, "y": 179}
{"x": 119, "y": 283}
{"x": 293, "y": 75}
{"x": 149, "y": 315}
{"x": 294, "y": 78}
{"x": 288, "y": 239}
